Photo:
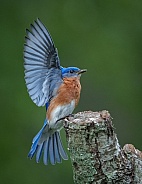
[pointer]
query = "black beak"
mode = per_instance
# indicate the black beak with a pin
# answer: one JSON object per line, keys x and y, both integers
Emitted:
{"x": 82, "y": 71}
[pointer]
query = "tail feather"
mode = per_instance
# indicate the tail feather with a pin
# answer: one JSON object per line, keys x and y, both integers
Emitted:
{"x": 51, "y": 147}
{"x": 46, "y": 152}
{"x": 39, "y": 152}
{"x": 51, "y": 150}
{"x": 34, "y": 146}
{"x": 38, "y": 135}
{"x": 60, "y": 147}
{"x": 56, "y": 149}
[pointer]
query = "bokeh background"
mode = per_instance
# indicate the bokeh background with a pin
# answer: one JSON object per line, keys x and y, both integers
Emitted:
{"x": 103, "y": 36}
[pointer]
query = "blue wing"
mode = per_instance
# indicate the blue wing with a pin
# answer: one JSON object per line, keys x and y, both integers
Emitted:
{"x": 42, "y": 65}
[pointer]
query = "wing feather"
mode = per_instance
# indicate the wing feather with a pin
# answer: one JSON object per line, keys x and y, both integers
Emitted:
{"x": 42, "y": 65}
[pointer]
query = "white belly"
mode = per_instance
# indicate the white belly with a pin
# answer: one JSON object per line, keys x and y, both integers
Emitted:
{"x": 60, "y": 112}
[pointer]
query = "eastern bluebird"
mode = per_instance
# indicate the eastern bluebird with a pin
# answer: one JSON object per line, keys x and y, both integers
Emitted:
{"x": 50, "y": 85}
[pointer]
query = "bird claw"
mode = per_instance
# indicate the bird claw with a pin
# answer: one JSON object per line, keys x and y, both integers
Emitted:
{"x": 66, "y": 117}
{"x": 70, "y": 115}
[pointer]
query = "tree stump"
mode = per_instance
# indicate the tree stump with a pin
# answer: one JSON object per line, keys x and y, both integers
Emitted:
{"x": 95, "y": 152}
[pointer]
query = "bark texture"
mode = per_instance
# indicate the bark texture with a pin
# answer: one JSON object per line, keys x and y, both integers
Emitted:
{"x": 95, "y": 152}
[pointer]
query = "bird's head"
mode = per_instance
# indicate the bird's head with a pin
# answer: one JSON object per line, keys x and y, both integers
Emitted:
{"x": 72, "y": 72}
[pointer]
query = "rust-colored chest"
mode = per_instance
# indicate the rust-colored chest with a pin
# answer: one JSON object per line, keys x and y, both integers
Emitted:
{"x": 68, "y": 91}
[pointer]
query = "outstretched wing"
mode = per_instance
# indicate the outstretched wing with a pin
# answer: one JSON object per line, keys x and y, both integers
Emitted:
{"x": 42, "y": 65}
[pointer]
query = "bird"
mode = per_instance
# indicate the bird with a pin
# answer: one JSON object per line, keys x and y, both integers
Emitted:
{"x": 50, "y": 85}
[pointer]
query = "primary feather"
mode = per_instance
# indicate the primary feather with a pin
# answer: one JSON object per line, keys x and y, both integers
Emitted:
{"x": 42, "y": 66}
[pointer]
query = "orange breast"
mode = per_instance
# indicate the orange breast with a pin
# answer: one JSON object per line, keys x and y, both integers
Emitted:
{"x": 68, "y": 91}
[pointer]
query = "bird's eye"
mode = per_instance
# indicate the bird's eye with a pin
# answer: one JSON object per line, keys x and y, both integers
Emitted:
{"x": 71, "y": 71}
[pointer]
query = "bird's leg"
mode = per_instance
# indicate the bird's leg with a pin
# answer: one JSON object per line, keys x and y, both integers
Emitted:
{"x": 70, "y": 115}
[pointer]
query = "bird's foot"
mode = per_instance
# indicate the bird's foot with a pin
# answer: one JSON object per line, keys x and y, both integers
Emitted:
{"x": 70, "y": 115}
{"x": 66, "y": 117}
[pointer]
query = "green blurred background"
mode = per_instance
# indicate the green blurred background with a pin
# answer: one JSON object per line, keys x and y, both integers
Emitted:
{"x": 103, "y": 36}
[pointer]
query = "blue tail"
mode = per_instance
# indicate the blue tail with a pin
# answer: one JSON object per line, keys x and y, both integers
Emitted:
{"x": 51, "y": 146}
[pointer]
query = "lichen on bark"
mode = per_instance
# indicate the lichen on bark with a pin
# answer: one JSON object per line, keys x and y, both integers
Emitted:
{"x": 95, "y": 152}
